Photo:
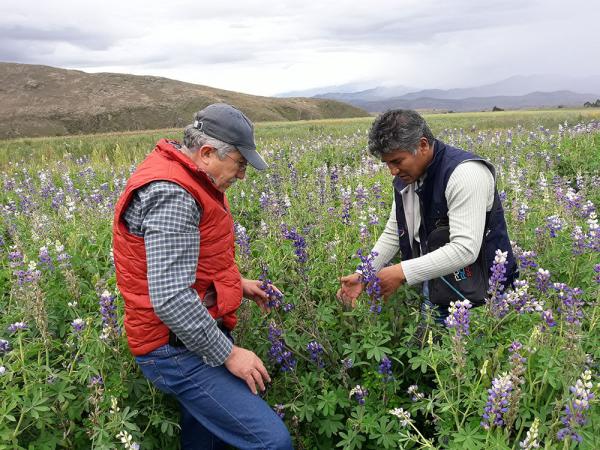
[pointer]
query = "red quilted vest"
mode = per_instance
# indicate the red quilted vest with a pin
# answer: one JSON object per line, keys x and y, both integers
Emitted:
{"x": 216, "y": 263}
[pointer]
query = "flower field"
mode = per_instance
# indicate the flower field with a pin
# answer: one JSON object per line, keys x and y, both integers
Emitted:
{"x": 520, "y": 372}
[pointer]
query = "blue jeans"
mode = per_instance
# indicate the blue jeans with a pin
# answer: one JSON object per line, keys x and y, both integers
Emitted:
{"x": 217, "y": 408}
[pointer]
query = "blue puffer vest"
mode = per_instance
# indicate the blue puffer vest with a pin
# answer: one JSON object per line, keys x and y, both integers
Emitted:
{"x": 434, "y": 209}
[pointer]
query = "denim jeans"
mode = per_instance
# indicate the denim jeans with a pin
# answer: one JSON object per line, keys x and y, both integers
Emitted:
{"x": 217, "y": 408}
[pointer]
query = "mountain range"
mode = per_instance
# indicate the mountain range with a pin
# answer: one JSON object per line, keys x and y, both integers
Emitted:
{"x": 533, "y": 91}
{"x": 47, "y": 101}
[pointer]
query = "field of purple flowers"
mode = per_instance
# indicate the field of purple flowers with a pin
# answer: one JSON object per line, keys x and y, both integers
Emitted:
{"x": 521, "y": 372}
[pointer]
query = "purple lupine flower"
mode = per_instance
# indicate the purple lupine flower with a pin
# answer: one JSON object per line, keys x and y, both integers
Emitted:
{"x": 78, "y": 325}
{"x": 571, "y": 306}
{"x": 497, "y": 403}
{"x": 521, "y": 300}
{"x": 578, "y": 238}
{"x": 45, "y": 258}
{"x": 526, "y": 260}
{"x": 522, "y": 212}
{"x": 497, "y": 299}
{"x": 96, "y": 380}
{"x": 264, "y": 200}
{"x": 542, "y": 280}
{"x": 369, "y": 276}
{"x": 4, "y": 346}
{"x": 548, "y": 319}
{"x": 597, "y": 270}
{"x": 373, "y": 218}
{"x": 359, "y": 393}
{"x": 63, "y": 260}
{"x": 273, "y": 295}
{"x": 30, "y": 275}
{"x": 108, "y": 310}
{"x": 376, "y": 189}
{"x": 242, "y": 239}
{"x": 298, "y": 241}
{"x": 288, "y": 307}
{"x": 347, "y": 363}
{"x": 459, "y": 317}
{"x": 279, "y": 410}
{"x": 573, "y": 200}
{"x": 502, "y": 196}
{"x": 17, "y": 326}
{"x": 363, "y": 232}
{"x": 554, "y": 224}
{"x": 385, "y": 369}
{"x": 15, "y": 258}
{"x": 574, "y": 414}
{"x": 587, "y": 209}
{"x": 346, "y": 205}
{"x": 316, "y": 350}
{"x": 278, "y": 353}
{"x": 360, "y": 194}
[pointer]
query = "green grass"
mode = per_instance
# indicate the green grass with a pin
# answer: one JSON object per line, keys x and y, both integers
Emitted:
{"x": 131, "y": 146}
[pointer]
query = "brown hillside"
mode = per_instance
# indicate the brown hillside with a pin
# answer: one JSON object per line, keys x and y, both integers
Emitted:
{"x": 46, "y": 101}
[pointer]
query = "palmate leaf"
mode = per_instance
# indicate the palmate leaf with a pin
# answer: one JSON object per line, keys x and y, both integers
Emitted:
{"x": 351, "y": 440}
{"x": 471, "y": 437}
{"x": 331, "y": 425}
{"x": 384, "y": 434}
{"x": 327, "y": 403}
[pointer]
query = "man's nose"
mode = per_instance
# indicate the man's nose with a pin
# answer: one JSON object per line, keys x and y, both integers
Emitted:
{"x": 393, "y": 169}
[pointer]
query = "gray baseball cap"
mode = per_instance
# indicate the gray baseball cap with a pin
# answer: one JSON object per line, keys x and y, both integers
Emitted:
{"x": 228, "y": 124}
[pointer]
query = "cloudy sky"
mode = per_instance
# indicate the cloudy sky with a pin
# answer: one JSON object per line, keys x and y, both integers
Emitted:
{"x": 268, "y": 47}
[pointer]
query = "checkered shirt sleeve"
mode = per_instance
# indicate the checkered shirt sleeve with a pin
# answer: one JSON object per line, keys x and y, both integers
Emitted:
{"x": 167, "y": 217}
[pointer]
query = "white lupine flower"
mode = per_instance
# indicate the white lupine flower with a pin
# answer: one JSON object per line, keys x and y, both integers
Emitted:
{"x": 404, "y": 416}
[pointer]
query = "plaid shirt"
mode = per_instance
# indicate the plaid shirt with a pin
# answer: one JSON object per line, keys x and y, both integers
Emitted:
{"x": 167, "y": 217}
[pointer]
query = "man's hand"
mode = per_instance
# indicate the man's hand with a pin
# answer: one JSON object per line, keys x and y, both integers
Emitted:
{"x": 251, "y": 289}
{"x": 390, "y": 279}
{"x": 246, "y": 365}
{"x": 352, "y": 287}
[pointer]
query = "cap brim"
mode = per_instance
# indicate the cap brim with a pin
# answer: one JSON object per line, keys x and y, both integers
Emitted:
{"x": 253, "y": 158}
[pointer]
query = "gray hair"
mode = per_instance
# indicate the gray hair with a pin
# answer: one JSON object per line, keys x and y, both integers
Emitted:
{"x": 398, "y": 130}
{"x": 193, "y": 139}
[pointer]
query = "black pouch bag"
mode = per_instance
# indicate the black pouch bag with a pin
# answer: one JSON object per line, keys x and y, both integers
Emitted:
{"x": 470, "y": 282}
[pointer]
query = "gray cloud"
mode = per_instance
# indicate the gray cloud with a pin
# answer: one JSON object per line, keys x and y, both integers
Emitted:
{"x": 66, "y": 34}
{"x": 267, "y": 46}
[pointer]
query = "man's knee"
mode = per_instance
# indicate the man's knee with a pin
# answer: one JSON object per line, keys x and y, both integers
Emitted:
{"x": 279, "y": 438}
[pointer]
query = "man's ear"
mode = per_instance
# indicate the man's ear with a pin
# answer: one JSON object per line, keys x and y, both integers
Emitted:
{"x": 205, "y": 151}
{"x": 424, "y": 145}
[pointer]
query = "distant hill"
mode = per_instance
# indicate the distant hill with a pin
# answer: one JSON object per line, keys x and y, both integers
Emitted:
{"x": 516, "y": 92}
{"x": 532, "y": 100}
{"x": 46, "y": 101}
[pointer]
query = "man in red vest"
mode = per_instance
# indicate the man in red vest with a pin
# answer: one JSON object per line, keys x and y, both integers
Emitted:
{"x": 175, "y": 262}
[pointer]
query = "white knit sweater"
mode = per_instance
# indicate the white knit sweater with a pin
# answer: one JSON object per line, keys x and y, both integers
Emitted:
{"x": 469, "y": 194}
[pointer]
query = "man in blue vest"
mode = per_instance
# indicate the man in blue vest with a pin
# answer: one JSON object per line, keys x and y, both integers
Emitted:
{"x": 447, "y": 220}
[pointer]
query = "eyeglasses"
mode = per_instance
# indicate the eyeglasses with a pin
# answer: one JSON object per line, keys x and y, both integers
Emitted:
{"x": 241, "y": 163}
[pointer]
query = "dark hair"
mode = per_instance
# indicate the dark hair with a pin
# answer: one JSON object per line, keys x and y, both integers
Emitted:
{"x": 398, "y": 129}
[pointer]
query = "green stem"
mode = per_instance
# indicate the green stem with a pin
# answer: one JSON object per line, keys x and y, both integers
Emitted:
{"x": 22, "y": 354}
